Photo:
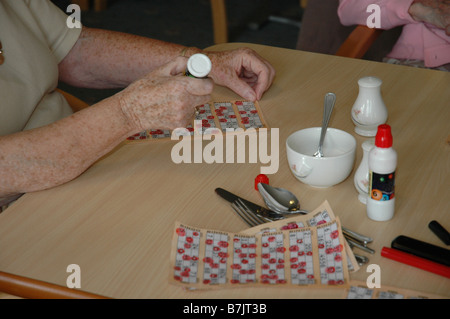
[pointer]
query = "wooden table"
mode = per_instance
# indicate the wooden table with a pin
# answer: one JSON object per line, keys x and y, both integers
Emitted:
{"x": 116, "y": 220}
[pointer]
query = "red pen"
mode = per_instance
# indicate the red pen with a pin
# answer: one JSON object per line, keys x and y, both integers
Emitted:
{"x": 415, "y": 261}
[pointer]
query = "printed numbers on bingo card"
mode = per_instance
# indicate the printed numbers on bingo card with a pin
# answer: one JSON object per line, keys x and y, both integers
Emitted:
{"x": 244, "y": 260}
{"x": 301, "y": 257}
{"x": 187, "y": 256}
{"x": 249, "y": 114}
{"x": 330, "y": 255}
{"x": 226, "y": 116}
{"x": 273, "y": 259}
{"x": 216, "y": 256}
{"x": 206, "y": 117}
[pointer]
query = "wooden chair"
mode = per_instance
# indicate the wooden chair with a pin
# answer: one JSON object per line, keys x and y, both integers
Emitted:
{"x": 358, "y": 42}
{"x": 219, "y": 17}
{"x": 14, "y": 287}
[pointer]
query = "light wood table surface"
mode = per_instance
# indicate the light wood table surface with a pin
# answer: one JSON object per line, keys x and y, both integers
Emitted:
{"x": 116, "y": 220}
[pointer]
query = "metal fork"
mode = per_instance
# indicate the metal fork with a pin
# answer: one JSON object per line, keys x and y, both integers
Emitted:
{"x": 251, "y": 218}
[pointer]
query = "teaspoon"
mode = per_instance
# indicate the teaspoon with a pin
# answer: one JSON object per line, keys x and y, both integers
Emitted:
{"x": 330, "y": 99}
{"x": 280, "y": 200}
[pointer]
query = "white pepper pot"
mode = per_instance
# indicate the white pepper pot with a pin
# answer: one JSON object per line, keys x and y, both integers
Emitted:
{"x": 369, "y": 110}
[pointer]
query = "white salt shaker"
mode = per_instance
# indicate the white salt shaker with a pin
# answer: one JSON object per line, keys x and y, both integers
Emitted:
{"x": 361, "y": 179}
{"x": 369, "y": 110}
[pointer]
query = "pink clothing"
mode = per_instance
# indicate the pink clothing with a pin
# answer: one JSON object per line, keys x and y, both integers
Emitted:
{"x": 418, "y": 40}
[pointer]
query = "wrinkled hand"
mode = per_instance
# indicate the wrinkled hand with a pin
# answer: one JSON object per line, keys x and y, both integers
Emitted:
{"x": 243, "y": 71}
{"x": 165, "y": 98}
{"x": 435, "y": 12}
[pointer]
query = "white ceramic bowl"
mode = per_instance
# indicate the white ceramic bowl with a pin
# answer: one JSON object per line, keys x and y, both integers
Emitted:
{"x": 339, "y": 149}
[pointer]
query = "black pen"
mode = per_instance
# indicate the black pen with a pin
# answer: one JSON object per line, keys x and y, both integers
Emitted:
{"x": 440, "y": 231}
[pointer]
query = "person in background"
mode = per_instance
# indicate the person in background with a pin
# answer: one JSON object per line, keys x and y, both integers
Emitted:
{"x": 43, "y": 143}
{"x": 425, "y": 38}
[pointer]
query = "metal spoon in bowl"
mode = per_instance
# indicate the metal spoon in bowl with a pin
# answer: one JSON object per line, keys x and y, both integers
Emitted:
{"x": 330, "y": 99}
{"x": 280, "y": 200}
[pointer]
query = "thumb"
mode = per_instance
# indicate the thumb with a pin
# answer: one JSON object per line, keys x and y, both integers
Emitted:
{"x": 172, "y": 68}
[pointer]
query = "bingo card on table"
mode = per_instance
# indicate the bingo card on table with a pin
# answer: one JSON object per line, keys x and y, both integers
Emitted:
{"x": 289, "y": 257}
{"x": 221, "y": 116}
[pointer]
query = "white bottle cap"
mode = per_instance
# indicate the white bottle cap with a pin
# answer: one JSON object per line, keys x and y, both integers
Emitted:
{"x": 199, "y": 65}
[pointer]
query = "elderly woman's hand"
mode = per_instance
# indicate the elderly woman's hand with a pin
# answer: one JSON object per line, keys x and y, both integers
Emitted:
{"x": 243, "y": 71}
{"x": 435, "y": 12}
{"x": 164, "y": 99}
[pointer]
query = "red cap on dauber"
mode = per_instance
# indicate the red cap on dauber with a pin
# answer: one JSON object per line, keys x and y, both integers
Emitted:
{"x": 384, "y": 138}
{"x": 261, "y": 178}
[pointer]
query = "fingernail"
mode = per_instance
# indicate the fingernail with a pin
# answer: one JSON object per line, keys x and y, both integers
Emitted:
{"x": 251, "y": 96}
